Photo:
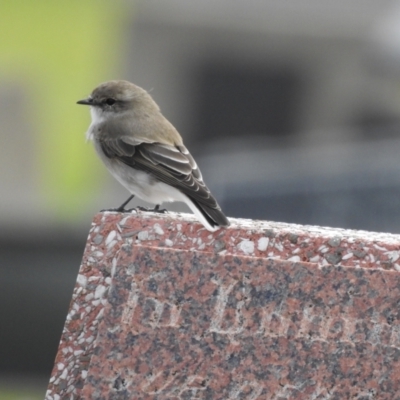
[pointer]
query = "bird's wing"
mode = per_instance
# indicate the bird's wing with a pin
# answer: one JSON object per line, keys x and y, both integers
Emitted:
{"x": 172, "y": 165}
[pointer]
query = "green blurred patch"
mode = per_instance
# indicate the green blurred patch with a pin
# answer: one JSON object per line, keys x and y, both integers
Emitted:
{"x": 19, "y": 395}
{"x": 58, "y": 52}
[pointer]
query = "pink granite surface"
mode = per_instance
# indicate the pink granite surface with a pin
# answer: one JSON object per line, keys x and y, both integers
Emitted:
{"x": 163, "y": 309}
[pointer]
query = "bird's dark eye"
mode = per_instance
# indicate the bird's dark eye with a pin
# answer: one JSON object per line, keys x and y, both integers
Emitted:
{"x": 110, "y": 101}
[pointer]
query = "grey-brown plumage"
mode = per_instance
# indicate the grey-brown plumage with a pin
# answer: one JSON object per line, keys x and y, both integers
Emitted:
{"x": 145, "y": 153}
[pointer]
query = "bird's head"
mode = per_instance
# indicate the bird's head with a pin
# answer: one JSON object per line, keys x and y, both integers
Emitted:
{"x": 116, "y": 97}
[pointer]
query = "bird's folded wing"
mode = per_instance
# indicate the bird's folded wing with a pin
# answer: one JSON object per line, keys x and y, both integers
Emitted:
{"x": 116, "y": 148}
{"x": 169, "y": 164}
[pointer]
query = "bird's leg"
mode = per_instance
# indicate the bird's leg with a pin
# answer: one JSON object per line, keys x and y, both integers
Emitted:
{"x": 156, "y": 209}
{"x": 121, "y": 208}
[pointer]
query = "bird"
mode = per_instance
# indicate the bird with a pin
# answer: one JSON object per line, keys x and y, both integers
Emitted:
{"x": 145, "y": 152}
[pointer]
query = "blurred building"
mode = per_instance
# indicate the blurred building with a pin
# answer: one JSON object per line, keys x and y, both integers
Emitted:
{"x": 292, "y": 110}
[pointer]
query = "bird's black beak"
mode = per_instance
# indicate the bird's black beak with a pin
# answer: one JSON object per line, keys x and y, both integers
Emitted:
{"x": 86, "y": 102}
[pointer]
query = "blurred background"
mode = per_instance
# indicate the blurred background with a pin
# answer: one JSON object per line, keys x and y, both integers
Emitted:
{"x": 291, "y": 108}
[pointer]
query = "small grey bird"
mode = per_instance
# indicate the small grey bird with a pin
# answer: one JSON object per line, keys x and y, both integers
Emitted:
{"x": 145, "y": 153}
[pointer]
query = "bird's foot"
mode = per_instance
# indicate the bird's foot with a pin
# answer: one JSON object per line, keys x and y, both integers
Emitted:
{"x": 156, "y": 209}
{"x": 121, "y": 208}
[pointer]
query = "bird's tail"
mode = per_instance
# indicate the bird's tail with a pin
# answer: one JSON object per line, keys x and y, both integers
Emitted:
{"x": 211, "y": 217}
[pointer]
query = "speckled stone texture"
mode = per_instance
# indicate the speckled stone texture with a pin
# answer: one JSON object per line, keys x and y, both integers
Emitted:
{"x": 163, "y": 309}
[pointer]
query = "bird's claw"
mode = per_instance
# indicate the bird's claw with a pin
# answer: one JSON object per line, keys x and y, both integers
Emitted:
{"x": 119, "y": 210}
{"x": 156, "y": 209}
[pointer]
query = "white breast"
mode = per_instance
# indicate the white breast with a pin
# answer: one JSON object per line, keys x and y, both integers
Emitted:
{"x": 97, "y": 118}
